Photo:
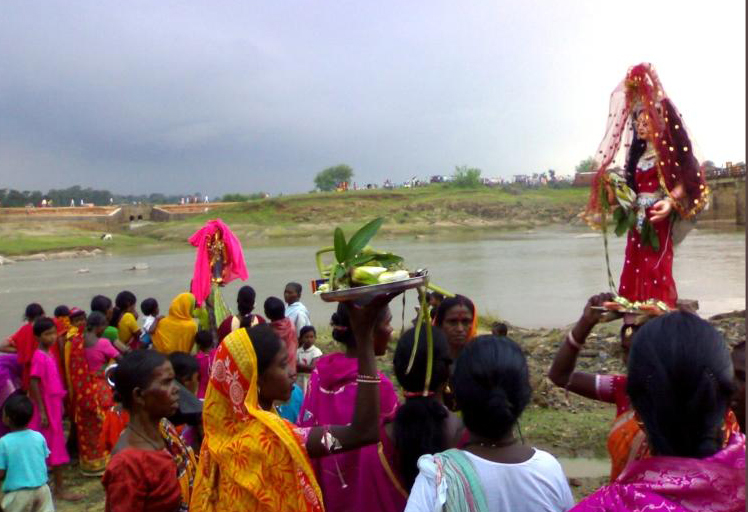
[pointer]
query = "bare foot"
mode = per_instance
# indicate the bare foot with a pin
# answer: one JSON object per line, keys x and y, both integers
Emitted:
{"x": 68, "y": 495}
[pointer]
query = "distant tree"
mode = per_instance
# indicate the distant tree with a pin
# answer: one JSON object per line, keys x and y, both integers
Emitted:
{"x": 331, "y": 177}
{"x": 587, "y": 165}
{"x": 466, "y": 177}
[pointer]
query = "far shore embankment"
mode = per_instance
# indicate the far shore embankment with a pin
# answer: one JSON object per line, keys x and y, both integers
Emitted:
{"x": 433, "y": 211}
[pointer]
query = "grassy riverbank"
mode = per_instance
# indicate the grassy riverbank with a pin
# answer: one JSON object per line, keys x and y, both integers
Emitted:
{"x": 425, "y": 212}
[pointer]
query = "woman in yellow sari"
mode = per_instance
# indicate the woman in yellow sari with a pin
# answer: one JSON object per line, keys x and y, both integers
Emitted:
{"x": 176, "y": 332}
{"x": 251, "y": 458}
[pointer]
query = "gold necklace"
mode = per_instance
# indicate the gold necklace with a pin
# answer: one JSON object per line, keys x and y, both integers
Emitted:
{"x": 146, "y": 439}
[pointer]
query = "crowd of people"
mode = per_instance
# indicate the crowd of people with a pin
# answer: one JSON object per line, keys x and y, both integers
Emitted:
{"x": 177, "y": 412}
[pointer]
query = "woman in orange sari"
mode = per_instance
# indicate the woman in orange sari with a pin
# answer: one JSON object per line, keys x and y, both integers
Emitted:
{"x": 251, "y": 458}
{"x": 91, "y": 393}
{"x": 626, "y": 441}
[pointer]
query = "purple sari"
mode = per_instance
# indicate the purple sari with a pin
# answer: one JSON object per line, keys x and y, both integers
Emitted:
{"x": 352, "y": 481}
{"x": 676, "y": 484}
{"x": 10, "y": 381}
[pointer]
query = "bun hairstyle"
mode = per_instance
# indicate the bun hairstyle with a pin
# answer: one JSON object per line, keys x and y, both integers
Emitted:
{"x": 419, "y": 424}
{"x": 447, "y": 304}
{"x": 266, "y": 343}
{"x": 122, "y": 303}
{"x": 492, "y": 385}
{"x": 135, "y": 370}
{"x": 245, "y": 300}
{"x": 680, "y": 383}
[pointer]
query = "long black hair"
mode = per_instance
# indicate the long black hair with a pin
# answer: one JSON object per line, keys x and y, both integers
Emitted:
{"x": 637, "y": 149}
{"x": 680, "y": 383}
{"x": 419, "y": 424}
{"x": 492, "y": 385}
{"x": 122, "y": 303}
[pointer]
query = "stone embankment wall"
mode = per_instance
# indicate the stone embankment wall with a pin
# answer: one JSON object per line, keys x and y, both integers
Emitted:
{"x": 108, "y": 215}
{"x": 727, "y": 201}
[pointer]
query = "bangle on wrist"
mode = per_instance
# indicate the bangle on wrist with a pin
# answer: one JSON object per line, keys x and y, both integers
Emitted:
{"x": 572, "y": 342}
{"x": 368, "y": 379}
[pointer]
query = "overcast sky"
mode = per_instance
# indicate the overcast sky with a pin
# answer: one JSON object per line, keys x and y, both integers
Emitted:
{"x": 241, "y": 96}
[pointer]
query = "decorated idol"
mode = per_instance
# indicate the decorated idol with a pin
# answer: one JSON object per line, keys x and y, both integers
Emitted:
{"x": 657, "y": 194}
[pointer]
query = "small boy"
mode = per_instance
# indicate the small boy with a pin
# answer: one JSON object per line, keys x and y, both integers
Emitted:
{"x": 296, "y": 311}
{"x": 307, "y": 355}
{"x": 23, "y": 454}
{"x": 283, "y": 327}
{"x": 149, "y": 307}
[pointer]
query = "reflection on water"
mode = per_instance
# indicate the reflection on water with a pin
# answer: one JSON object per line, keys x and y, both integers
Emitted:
{"x": 532, "y": 279}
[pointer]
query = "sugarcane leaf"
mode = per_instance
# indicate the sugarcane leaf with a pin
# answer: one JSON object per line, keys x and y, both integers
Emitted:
{"x": 359, "y": 240}
{"x": 339, "y": 271}
{"x": 654, "y": 240}
{"x": 419, "y": 322}
{"x": 340, "y": 245}
{"x": 622, "y": 224}
{"x": 618, "y": 214}
{"x": 632, "y": 219}
{"x": 389, "y": 260}
{"x": 362, "y": 259}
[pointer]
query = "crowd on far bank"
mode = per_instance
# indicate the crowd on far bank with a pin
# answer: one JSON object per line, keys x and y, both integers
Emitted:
{"x": 179, "y": 408}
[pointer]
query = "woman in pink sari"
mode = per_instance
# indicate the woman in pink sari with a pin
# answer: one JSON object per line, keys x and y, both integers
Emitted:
{"x": 346, "y": 479}
{"x": 680, "y": 385}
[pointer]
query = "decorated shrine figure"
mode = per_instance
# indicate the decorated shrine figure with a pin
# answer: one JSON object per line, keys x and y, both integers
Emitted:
{"x": 656, "y": 196}
{"x": 219, "y": 259}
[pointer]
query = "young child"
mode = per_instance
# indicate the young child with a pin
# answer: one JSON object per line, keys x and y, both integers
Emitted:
{"x": 307, "y": 355}
{"x": 275, "y": 312}
{"x": 190, "y": 412}
{"x": 125, "y": 317}
{"x": 47, "y": 394}
{"x": 22, "y": 460}
{"x": 296, "y": 311}
{"x": 151, "y": 317}
{"x": 204, "y": 356}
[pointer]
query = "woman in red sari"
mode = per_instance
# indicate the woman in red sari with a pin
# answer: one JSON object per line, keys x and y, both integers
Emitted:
{"x": 92, "y": 396}
{"x": 659, "y": 194}
{"x": 24, "y": 343}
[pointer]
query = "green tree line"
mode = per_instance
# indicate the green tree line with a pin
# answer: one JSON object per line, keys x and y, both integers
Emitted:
{"x": 63, "y": 197}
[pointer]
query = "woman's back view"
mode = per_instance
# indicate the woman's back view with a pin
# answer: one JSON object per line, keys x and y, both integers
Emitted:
{"x": 495, "y": 471}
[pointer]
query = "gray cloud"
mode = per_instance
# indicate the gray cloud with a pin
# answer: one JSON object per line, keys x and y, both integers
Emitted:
{"x": 244, "y": 96}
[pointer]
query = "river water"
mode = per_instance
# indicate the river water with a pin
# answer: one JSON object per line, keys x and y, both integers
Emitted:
{"x": 538, "y": 278}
